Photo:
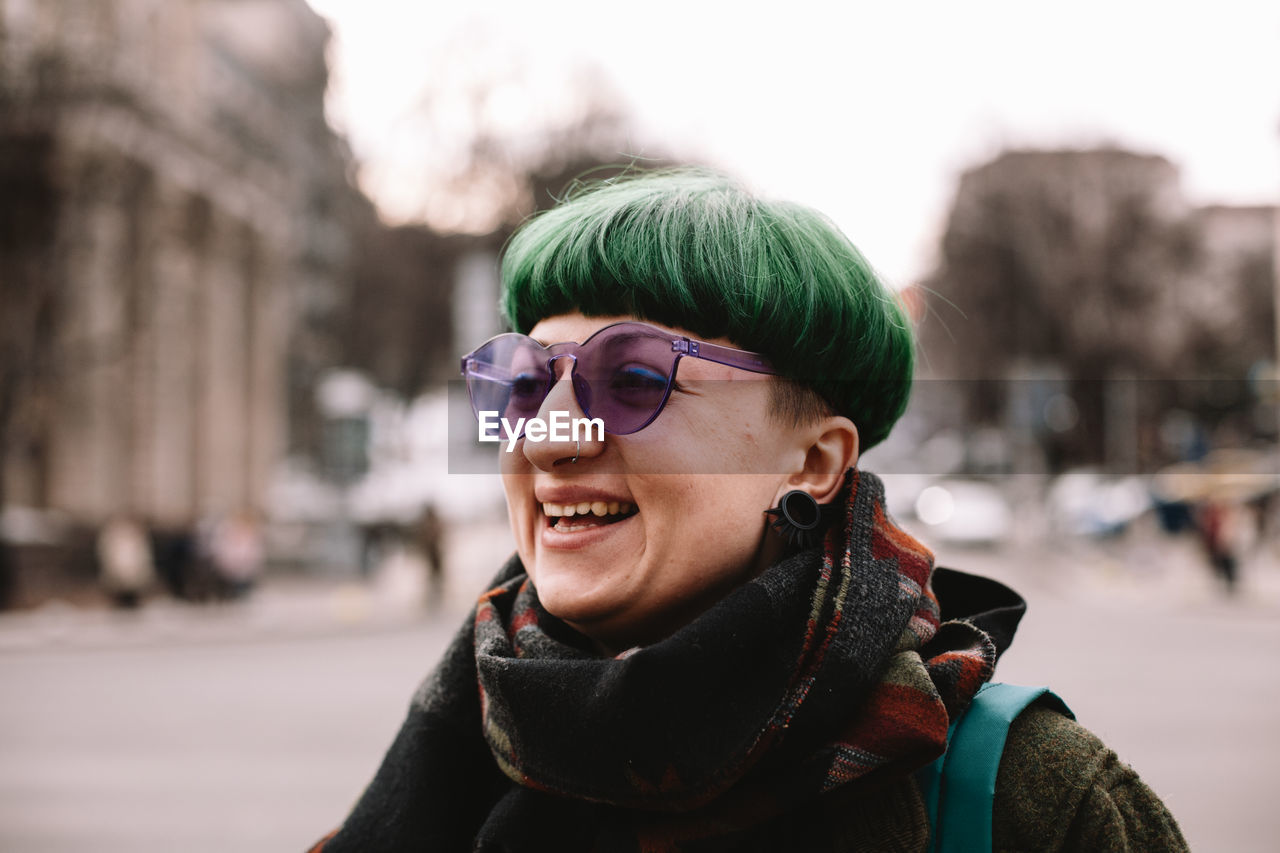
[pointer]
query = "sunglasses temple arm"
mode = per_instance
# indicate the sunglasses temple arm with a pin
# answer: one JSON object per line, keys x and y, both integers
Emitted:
{"x": 729, "y": 356}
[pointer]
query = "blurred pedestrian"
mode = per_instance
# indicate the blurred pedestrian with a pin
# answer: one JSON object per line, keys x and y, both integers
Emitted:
{"x": 1226, "y": 530}
{"x": 429, "y": 539}
{"x": 712, "y": 636}
{"x": 175, "y": 556}
{"x": 8, "y": 579}
{"x": 237, "y": 553}
{"x": 378, "y": 540}
{"x": 125, "y": 561}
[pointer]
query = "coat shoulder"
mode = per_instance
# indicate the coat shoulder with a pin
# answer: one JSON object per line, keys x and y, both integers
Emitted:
{"x": 1060, "y": 788}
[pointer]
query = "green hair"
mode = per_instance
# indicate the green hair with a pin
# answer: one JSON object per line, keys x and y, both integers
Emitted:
{"x": 692, "y": 249}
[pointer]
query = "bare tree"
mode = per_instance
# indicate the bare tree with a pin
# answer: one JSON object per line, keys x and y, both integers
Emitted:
{"x": 1063, "y": 256}
{"x": 506, "y": 141}
{"x": 507, "y": 127}
{"x": 1092, "y": 263}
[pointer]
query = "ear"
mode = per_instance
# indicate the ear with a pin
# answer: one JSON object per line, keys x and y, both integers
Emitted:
{"x": 832, "y": 449}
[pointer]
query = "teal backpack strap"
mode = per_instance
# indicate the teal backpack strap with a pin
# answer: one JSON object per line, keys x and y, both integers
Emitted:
{"x": 959, "y": 788}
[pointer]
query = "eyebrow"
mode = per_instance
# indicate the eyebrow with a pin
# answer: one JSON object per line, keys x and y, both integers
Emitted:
{"x": 543, "y": 342}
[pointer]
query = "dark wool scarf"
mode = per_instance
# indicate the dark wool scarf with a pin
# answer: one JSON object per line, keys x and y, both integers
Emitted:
{"x": 828, "y": 670}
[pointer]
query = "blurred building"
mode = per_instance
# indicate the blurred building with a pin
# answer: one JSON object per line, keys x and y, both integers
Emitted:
{"x": 1080, "y": 298}
{"x": 1234, "y": 296}
{"x": 176, "y": 228}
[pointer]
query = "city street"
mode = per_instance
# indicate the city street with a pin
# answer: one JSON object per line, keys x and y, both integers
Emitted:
{"x": 254, "y": 728}
{"x": 271, "y": 272}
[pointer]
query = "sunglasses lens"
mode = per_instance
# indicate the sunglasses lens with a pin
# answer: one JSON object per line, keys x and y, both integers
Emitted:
{"x": 622, "y": 375}
{"x": 508, "y": 375}
{"x": 628, "y": 375}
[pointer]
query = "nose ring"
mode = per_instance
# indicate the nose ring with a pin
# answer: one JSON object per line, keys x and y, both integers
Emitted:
{"x": 576, "y": 452}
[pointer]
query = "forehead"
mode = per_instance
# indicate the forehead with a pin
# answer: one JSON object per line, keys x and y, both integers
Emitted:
{"x": 578, "y": 327}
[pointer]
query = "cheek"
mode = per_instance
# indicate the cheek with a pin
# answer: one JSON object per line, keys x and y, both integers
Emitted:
{"x": 697, "y": 443}
{"x": 715, "y": 521}
{"x": 513, "y": 463}
{"x": 735, "y": 431}
{"x": 522, "y": 511}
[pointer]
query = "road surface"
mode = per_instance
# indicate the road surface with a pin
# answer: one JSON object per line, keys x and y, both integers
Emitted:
{"x": 254, "y": 728}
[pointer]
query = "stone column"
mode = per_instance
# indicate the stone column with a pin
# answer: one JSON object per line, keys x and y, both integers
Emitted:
{"x": 223, "y": 434}
{"x": 178, "y": 268}
{"x": 89, "y": 467}
{"x": 269, "y": 321}
{"x": 139, "y": 290}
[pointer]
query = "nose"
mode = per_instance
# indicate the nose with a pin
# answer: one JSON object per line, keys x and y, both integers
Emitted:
{"x": 555, "y": 450}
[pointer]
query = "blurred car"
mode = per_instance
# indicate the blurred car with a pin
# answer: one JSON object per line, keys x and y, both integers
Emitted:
{"x": 967, "y": 512}
{"x": 1086, "y": 502}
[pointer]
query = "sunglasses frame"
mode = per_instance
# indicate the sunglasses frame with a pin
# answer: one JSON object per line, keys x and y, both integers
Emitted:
{"x": 681, "y": 346}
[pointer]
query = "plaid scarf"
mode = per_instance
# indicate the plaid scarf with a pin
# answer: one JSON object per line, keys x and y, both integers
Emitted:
{"x": 829, "y": 670}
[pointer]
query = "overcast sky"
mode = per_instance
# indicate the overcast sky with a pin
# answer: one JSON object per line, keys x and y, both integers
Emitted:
{"x": 867, "y": 111}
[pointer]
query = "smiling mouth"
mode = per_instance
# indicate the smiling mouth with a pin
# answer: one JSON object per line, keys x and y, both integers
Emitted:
{"x": 571, "y": 517}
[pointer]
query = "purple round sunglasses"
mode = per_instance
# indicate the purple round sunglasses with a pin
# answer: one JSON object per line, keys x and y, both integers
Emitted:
{"x": 622, "y": 374}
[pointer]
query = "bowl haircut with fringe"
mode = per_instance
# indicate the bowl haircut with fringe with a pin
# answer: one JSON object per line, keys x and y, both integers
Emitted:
{"x": 692, "y": 249}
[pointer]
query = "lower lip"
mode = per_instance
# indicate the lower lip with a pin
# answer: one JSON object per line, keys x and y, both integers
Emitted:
{"x": 572, "y": 540}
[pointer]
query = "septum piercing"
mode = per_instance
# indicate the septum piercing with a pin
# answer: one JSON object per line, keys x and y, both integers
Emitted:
{"x": 576, "y": 452}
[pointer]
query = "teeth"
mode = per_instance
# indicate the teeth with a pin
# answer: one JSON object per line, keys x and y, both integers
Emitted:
{"x": 596, "y": 508}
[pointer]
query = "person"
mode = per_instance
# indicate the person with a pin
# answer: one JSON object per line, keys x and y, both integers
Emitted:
{"x": 127, "y": 569}
{"x": 428, "y": 536}
{"x": 237, "y": 553}
{"x": 711, "y": 635}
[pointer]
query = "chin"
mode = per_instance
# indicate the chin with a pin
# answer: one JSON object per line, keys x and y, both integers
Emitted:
{"x": 571, "y": 595}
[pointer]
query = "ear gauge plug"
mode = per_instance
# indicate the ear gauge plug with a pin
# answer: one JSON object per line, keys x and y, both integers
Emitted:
{"x": 800, "y": 519}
